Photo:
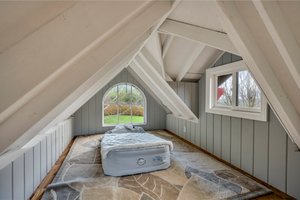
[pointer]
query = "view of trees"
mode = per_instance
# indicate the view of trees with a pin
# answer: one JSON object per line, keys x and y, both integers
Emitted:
{"x": 248, "y": 93}
{"x": 224, "y": 90}
{"x": 124, "y": 103}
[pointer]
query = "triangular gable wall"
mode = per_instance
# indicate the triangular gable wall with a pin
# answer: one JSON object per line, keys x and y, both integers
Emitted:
{"x": 88, "y": 118}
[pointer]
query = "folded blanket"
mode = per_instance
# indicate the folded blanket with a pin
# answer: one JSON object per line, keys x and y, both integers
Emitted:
{"x": 130, "y": 140}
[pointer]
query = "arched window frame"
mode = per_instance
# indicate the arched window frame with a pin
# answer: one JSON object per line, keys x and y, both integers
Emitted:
{"x": 132, "y": 85}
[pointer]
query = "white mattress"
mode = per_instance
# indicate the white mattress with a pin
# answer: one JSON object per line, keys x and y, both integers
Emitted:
{"x": 133, "y": 153}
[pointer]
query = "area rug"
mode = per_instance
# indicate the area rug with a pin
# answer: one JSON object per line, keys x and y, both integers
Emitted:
{"x": 192, "y": 175}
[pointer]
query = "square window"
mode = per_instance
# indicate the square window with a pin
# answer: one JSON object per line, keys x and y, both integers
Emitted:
{"x": 232, "y": 91}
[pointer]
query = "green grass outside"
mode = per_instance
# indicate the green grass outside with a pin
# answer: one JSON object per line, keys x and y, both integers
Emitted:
{"x": 123, "y": 119}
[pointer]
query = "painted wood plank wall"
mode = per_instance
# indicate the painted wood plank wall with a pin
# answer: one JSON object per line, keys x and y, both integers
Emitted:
{"x": 262, "y": 149}
{"x": 188, "y": 92}
{"x": 21, "y": 177}
{"x": 88, "y": 119}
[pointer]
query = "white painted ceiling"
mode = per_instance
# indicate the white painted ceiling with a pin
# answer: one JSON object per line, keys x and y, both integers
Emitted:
{"x": 19, "y": 19}
{"x": 198, "y": 13}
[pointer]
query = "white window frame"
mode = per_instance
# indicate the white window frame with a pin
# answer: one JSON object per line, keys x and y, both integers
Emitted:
{"x": 211, "y": 105}
{"x": 132, "y": 85}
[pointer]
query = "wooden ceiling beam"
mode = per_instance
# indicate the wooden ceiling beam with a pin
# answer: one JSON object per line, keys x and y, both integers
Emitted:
{"x": 205, "y": 36}
{"x": 162, "y": 89}
{"x": 190, "y": 61}
{"x": 283, "y": 38}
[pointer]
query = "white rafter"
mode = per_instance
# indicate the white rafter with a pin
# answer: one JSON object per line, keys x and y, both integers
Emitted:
{"x": 167, "y": 45}
{"x": 89, "y": 70}
{"x": 208, "y": 37}
{"x": 282, "y": 36}
{"x": 162, "y": 89}
{"x": 148, "y": 57}
{"x": 190, "y": 61}
{"x": 259, "y": 66}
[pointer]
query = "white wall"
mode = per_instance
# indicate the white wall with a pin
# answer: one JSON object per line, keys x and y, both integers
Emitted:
{"x": 20, "y": 177}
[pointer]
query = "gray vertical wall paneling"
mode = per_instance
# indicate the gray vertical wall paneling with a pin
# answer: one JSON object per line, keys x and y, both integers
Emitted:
{"x": 261, "y": 150}
{"x": 217, "y": 135}
{"x": 53, "y": 148}
{"x": 6, "y": 190}
{"x": 98, "y": 110}
{"x": 174, "y": 126}
{"x": 168, "y": 126}
{"x": 180, "y": 128}
{"x": 198, "y": 133}
{"x": 235, "y": 58}
{"x": 194, "y": 95}
{"x": 37, "y": 165}
{"x": 202, "y": 113}
{"x": 210, "y": 132}
{"x": 277, "y": 154}
{"x": 23, "y": 175}
{"x": 18, "y": 178}
{"x": 226, "y": 58}
{"x": 92, "y": 115}
{"x": 293, "y": 166}
{"x": 56, "y": 145}
{"x": 188, "y": 94}
{"x": 226, "y": 138}
{"x": 247, "y": 145}
{"x": 29, "y": 183}
{"x": 63, "y": 130}
{"x": 189, "y": 131}
{"x": 85, "y": 118}
{"x": 193, "y": 132}
{"x": 157, "y": 119}
{"x": 162, "y": 122}
{"x": 78, "y": 121}
{"x": 177, "y": 128}
{"x": 180, "y": 91}
{"x": 236, "y": 128}
{"x": 43, "y": 157}
{"x": 49, "y": 152}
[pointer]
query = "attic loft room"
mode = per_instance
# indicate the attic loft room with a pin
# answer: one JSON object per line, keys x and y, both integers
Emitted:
{"x": 149, "y": 100}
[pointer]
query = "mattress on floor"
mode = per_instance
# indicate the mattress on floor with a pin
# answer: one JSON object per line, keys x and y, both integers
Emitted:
{"x": 133, "y": 153}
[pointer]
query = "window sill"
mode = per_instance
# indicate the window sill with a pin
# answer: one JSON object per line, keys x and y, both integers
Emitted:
{"x": 238, "y": 113}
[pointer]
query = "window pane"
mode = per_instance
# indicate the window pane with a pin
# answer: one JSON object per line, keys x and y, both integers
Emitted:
{"x": 137, "y": 97}
{"x": 124, "y": 104}
{"x": 224, "y": 90}
{"x": 125, "y": 114}
{"x": 124, "y": 94}
{"x": 111, "y": 96}
{"x": 137, "y": 114}
{"x": 249, "y": 94}
{"x": 110, "y": 114}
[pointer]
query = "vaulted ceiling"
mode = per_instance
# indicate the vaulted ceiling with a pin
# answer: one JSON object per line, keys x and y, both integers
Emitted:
{"x": 55, "y": 55}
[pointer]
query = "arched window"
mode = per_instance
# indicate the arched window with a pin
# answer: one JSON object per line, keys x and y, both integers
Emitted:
{"x": 123, "y": 103}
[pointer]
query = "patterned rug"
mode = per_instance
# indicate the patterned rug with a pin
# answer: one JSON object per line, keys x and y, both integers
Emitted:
{"x": 192, "y": 175}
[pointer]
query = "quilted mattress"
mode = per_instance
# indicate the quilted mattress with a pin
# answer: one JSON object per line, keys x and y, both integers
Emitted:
{"x": 133, "y": 153}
